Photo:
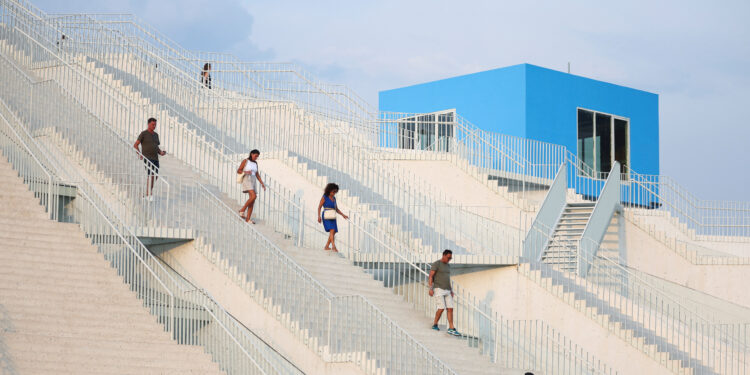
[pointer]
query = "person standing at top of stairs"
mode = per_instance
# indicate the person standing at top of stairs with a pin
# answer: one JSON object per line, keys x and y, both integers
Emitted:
{"x": 149, "y": 142}
{"x": 249, "y": 170}
{"x": 440, "y": 288}
{"x": 206, "y": 75}
{"x": 328, "y": 217}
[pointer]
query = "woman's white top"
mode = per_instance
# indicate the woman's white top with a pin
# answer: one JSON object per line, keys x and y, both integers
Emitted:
{"x": 251, "y": 167}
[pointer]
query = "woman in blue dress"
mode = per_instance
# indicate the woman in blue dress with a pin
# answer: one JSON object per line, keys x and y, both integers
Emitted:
{"x": 328, "y": 204}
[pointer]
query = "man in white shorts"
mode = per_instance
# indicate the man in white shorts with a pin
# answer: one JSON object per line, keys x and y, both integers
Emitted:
{"x": 440, "y": 288}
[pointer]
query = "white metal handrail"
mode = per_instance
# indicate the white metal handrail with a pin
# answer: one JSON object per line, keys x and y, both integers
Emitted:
{"x": 724, "y": 228}
{"x": 85, "y": 191}
{"x": 704, "y": 219}
{"x": 469, "y": 312}
{"x": 227, "y": 179}
{"x": 601, "y": 216}
{"x": 383, "y": 175}
{"x": 222, "y": 218}
{"x": 49, "y": 199}
{"x": 698, "y": 343}
{"x": 196, "y": 214}
{"x": 100, "y": 222}
{"x": 552, "y": 207}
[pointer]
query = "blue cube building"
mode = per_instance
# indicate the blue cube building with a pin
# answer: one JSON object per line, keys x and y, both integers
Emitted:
{"x": 599, "y": 121}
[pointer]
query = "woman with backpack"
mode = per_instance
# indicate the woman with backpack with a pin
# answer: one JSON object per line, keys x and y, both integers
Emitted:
{"x": 328, "y": 217}
{"x": 249, "y": 171}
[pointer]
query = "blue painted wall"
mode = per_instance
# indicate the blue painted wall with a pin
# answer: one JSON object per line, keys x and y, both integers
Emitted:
{"x": 538, "y": 103}
{"x": 552, "y": 99}
{"x": 492, "y": 100}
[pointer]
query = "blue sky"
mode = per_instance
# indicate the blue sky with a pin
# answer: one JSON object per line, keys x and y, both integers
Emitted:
{"x": 694, "y": 54}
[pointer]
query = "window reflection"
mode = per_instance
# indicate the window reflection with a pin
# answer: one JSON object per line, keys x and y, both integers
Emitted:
{"x": 586, "y": 137}
{"x": 602, "y": 140}
{"x": 432, "y": 132}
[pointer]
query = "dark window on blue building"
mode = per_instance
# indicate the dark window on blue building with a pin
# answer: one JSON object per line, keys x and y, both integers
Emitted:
{"x": 603, "y": 143}
{"x": 602, "y": 139}
{"x": 586, "y": 139}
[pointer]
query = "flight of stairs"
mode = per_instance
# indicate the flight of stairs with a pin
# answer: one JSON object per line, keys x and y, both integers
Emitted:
{"x": 311, "y": 170}
{"x": 684, "y": 244}
{"x": 175, "y": 132}
{"x": 621, "y": 319}
{"x": 345, "y": 279}
{"x": 561, "y": 252}
{"x": 64, "y": 310}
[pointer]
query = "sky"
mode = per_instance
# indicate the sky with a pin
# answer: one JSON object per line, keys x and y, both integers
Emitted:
{"x": 694, "y": 54}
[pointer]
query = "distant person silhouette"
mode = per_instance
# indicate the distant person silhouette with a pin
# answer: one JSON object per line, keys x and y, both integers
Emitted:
{"x": 206, "y": 75}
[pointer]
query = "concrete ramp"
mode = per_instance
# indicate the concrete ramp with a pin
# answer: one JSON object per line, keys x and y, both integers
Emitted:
{"x": 460, "y": 187}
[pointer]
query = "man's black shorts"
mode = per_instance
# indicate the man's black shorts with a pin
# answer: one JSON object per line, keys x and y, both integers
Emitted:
{"x": 149, "y": 170}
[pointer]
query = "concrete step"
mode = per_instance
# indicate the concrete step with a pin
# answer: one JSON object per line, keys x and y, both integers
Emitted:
{"x": 88, "y": 327}
{"x": 130, "y": 343}
{"x": 569, "y": 225}
{"x": 79, "y": 248}
{"x": 71, "y": 317}
{"x": 117, "y": 303}
{"x": 41, "y": 225}
{"x": 12, "y": 206}
{"x": 42, "y": 272}
{"x": 8, "y": 176}
{"x": 36, "y": 239}
{"x": 561, "y": 258}
{"x": 94, "y": 279}
{"x": 576, "y": 205}
{"x": 55, "y": 289}
{"x": 154, "y": 355}
{"x": 55, "y": 367}
{"x": 24, "y": 214}
{"x": 9, "y": 192}
{"x": 83, "y": 258}
{"x": 573, "y": 221}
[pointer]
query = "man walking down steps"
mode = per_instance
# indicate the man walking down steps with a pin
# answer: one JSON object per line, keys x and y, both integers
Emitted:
{"x": 440, "y": 288}
{"x": 149, "y": 142}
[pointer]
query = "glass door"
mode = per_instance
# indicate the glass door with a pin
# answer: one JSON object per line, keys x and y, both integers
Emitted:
{"x": 603, "y": 143}
{"x": 602, "y": 139}
{"x": 622, "y": 143}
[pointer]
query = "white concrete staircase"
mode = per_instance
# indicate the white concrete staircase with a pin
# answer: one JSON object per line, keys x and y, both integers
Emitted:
{"x": 675, "y": 235}
{"x": 64, "y": 310}
{"x": 175, "y": 169}
{"x": 409, "y": 229}
{"x": 412, "y": 240}
{"x": 352, "y": 202}
{"x": 561, "y": 252}
{"x": 343, "y": 279}
{"x": 621, "y": 319}
{"x": 173, "y": 131}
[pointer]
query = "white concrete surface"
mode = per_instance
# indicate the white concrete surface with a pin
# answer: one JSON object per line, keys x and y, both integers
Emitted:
{"x": 64, "y": 310}
{"x": 187, "y": 261}
{"x": 515, "y": 296}
{"x": 645, "y": 253}
{"x": 449, "y": 179}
